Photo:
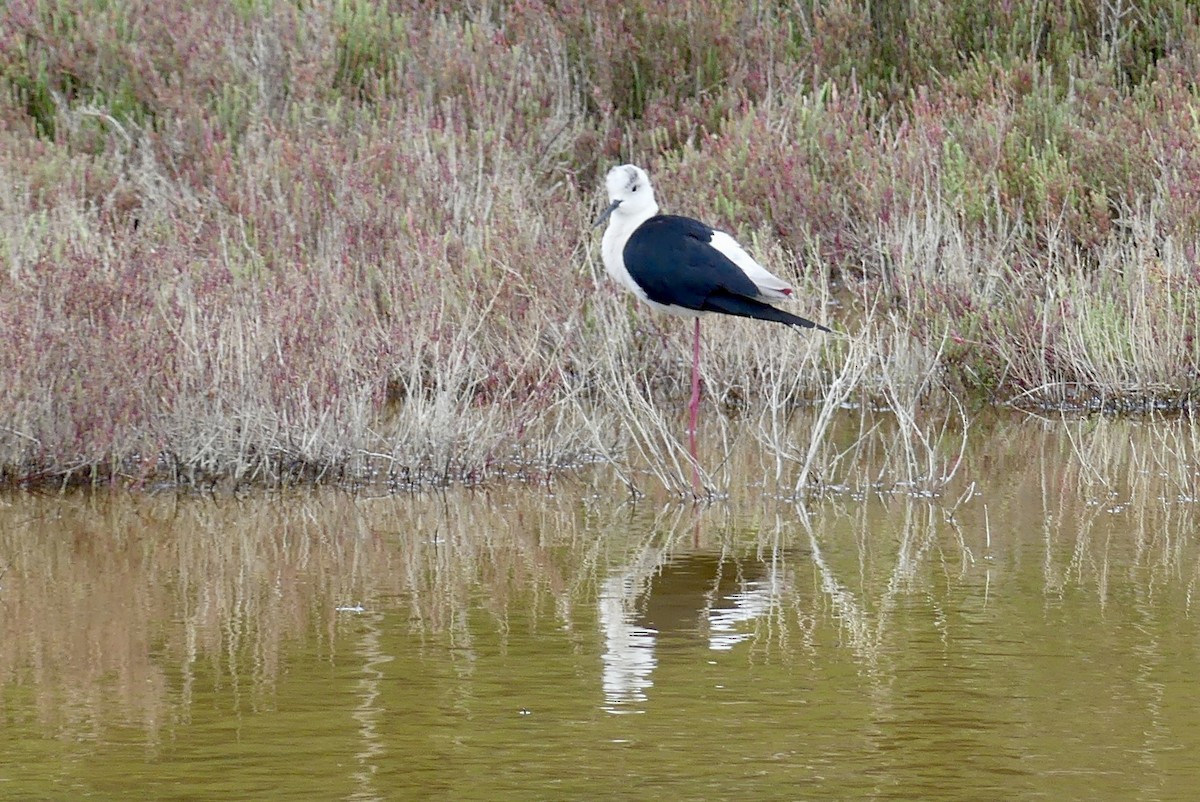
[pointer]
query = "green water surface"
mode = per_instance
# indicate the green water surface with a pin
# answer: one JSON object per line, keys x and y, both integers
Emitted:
{"x": 1035, "y": 639}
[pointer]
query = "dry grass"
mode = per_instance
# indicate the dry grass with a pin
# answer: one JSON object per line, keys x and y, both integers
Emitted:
{"x": 353, "y": 244}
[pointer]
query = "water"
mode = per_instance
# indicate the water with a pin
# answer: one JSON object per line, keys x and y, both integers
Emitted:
{"x": 1034, "y": 638}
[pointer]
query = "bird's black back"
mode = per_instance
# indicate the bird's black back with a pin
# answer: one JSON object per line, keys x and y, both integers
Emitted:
{"x": 671, "y": 258}
{"x": 673, "y": 261}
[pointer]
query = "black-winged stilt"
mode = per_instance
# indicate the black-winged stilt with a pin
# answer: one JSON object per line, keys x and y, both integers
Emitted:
{"x": 680, "y": 265}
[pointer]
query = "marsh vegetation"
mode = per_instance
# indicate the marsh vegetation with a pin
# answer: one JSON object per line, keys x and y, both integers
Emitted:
{"x": 266, "y": 242}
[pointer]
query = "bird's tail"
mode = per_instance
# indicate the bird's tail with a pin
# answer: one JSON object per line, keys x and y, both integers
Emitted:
{"x": 741, "y": 306}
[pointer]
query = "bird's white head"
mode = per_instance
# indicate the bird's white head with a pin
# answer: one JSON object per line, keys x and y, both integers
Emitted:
{"x": 629, "y": 193}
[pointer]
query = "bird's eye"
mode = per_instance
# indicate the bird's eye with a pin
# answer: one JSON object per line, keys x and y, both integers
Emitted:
{"x": 633, "y": 188}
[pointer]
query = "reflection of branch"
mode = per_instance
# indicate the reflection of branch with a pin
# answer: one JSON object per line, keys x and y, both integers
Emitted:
{"x": 849, "y": 612}
{"x": 368, "y": 712}
{"x": 916, "y": 537}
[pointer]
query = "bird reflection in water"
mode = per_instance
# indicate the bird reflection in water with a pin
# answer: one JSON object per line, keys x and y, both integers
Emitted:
{"x": 683, "y": 596}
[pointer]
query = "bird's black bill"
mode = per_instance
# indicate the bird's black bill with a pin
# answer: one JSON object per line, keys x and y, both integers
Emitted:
{"x": 612, "y": 207}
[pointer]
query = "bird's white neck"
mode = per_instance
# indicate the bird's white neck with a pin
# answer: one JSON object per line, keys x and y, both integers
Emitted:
{"x": 620, "y": 228}
{"x": 626, "y": 223}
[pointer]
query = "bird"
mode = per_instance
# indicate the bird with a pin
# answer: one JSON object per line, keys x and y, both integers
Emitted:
{"x": 684, "y": 267}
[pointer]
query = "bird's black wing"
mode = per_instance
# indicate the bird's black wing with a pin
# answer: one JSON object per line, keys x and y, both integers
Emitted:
{"x": 742, "y": 306}
{"x": 671, "y": 259}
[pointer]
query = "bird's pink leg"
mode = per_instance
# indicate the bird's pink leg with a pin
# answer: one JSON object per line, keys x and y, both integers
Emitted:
{"x": 694, "y": 409}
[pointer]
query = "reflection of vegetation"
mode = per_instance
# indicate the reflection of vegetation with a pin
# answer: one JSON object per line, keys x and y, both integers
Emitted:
{"x": 130, "y": 602}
